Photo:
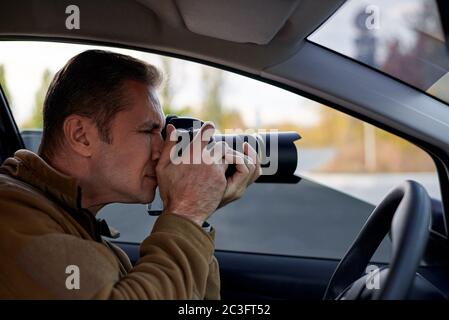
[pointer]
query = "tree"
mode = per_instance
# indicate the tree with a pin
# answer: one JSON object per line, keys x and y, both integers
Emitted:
{"x": 4, "y": 84}
{"x": 168, "y": 91}
{"x": 232, "y": 119}
{"x": 35, "y": 120}
{"x": 213, "y": 83}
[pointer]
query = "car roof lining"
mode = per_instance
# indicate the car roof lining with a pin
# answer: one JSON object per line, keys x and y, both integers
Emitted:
{"x": 250, "y": 21}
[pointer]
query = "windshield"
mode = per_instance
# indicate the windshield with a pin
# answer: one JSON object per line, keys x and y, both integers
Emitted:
{"x": 403, "y": 38}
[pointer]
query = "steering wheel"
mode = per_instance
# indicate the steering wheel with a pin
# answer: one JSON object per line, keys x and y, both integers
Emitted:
{"x": 405, "y": 212}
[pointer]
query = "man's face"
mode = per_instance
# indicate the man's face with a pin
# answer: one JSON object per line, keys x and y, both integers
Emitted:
{"x": 125, "y": 169}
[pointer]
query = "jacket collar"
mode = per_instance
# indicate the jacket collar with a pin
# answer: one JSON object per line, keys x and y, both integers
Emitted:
{"x": 32, "y": 169}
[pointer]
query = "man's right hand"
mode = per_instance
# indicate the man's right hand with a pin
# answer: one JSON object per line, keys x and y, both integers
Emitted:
{"x": 193, "y": 191}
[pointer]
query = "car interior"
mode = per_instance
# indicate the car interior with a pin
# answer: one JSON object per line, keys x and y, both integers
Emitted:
{"x": 277, "y": 43}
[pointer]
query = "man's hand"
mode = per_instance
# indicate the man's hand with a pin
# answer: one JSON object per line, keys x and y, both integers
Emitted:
{"x": 247, "y": 171}
{"x": 193, "y": 191}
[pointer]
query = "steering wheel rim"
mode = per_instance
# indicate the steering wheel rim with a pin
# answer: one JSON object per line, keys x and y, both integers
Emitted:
{"x": 406, "y": 212}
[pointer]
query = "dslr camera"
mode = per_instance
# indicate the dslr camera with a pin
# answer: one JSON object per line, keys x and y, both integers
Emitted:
{"x": 277, "y": 150}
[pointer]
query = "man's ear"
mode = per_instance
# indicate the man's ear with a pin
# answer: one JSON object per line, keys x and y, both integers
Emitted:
{"x": 80, "y": 134}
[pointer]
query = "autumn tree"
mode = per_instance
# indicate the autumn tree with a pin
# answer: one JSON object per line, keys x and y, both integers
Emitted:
{"x": 35, "y": 120}
{"x": 169, "y": 90}
{"x": 213, "y": 84}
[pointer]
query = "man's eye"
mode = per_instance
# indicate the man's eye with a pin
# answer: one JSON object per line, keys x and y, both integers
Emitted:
{"x": 152, "y": 132}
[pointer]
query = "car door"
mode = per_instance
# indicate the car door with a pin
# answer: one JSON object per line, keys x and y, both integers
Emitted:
{"x": 258, "y": 248}
{"x": 280, "y": 241}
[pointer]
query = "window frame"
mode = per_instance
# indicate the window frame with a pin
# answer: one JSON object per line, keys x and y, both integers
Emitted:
{"x": 439, "y": 156}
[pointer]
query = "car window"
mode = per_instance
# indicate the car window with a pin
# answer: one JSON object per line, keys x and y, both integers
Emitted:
{"x": 347, "y": 166}
{"x": 403, "y": 38}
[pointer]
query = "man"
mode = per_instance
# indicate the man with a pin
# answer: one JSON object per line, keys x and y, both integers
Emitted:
{"x": 101, "y": 144}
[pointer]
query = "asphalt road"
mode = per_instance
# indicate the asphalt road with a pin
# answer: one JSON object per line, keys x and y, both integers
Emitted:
{"x": 299, "y": 220}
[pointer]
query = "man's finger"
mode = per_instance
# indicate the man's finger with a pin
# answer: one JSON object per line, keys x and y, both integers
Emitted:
{"x": 239, "y": 162}
{"x": 169, "y": 144}
{"x": 204, "y": 134}
{"x": 199, "y": 142}
{"x": 215, "y": 152}
{"x": 251, "y": 153}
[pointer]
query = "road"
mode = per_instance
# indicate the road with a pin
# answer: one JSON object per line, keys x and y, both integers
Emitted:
{"x": 306, "y": 219}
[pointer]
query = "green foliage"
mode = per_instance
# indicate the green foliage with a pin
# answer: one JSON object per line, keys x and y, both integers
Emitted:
{"x": 4, "y": 85}
{"x": 213, "y": 82}
{"x": 346, "y": 135}
{"x": 211, "y": 109}
{"x": 168, "y": 92}
{"x": 35, "y": 120}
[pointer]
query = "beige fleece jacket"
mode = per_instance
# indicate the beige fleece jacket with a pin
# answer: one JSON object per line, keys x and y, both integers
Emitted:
{"x": 44, "y": 232}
